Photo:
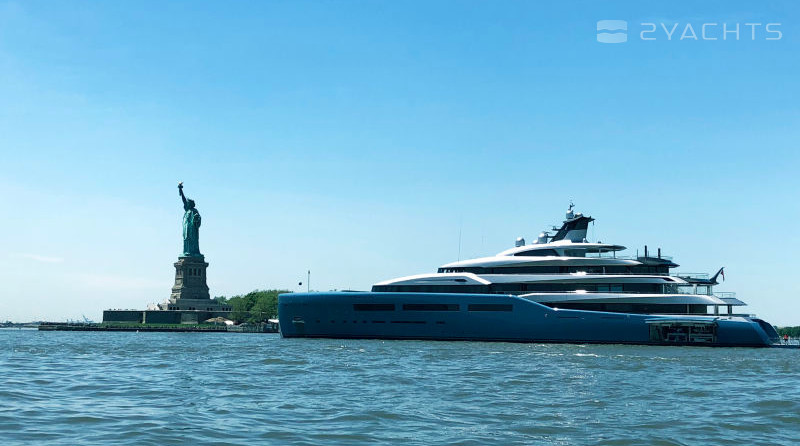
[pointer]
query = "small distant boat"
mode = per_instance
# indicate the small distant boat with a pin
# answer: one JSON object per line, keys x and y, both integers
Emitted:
{"x": 219, "y": 320}
{"x": 561, "y": 288}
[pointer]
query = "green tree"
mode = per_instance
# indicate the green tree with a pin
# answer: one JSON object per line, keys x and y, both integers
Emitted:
{"x": 266, "y": 305}
{"x": 240, "y": 311}
{"x": 793, "y": 332}
{"x": 255, "y": 306}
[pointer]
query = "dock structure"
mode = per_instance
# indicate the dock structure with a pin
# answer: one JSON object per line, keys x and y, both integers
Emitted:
{"x": 269, "y": 327}
{"x": 55, "y": 326}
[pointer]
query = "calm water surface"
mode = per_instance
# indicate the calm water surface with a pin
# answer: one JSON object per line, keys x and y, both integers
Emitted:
{"x": 218, "y": 388}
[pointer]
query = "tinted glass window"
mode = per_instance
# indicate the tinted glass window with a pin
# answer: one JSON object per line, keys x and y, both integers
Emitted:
{"x": 430, "y": 307}
{"x": 538, "y": 253}
{"x": 373, "y": 307}
{"x": 490, "y": 307}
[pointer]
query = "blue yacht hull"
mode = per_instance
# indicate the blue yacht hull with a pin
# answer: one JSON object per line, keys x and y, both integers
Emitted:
{"x": 482, "y": 317}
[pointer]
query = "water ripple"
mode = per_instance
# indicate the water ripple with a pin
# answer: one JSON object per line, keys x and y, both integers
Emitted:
{"x": 216, "y": 388}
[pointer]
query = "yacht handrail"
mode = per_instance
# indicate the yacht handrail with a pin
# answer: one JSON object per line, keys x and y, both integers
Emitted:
{"x": 625, "y": 257}
{"x": 580, "y": 273}
{"x": 718, "y": 316}
{"x": 566, "y": 274}
{"x": 600, "y": 292}
{"x": 597, "y": 273}
{"x": 725, "y": 295}
{"x": 692, "y": 275}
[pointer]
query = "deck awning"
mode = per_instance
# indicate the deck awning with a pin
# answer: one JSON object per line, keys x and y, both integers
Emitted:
{"x": 732, "y": 301}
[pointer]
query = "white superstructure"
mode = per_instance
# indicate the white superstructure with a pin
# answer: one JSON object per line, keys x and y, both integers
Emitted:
{"x": 567, "y": 271}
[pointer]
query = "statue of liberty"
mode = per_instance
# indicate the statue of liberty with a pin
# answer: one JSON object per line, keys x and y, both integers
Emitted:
{"x": 191, "y": 226}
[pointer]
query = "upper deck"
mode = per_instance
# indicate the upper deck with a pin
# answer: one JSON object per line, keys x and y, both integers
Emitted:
{"x": 566, "y": 252}
{"x": 565, "y": 248}
{"x": 565, "y": 264}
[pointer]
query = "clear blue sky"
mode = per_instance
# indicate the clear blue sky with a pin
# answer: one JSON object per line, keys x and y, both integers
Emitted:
{"x": 356, "y": 139}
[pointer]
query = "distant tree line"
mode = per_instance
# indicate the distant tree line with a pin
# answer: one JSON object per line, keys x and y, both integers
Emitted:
{"x": 254, "y": 307}
{"x": 793, "y": 332}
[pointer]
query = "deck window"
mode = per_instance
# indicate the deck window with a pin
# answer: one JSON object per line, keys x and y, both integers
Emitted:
{"x": 373, "y": 307}
{"x": 490, "y": 307}
{"x": 430, "y": 307}
{"x": 537, "y": 253}
{"x": 475, "y": 289}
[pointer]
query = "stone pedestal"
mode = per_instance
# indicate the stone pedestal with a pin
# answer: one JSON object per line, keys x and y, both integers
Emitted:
{"x": 189, "y": 301}
{"x": 190, "y": 279}
{"x": 190, "y": 292}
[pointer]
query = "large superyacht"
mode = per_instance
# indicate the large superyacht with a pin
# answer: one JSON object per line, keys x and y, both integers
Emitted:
{"x": 561, "y": 288}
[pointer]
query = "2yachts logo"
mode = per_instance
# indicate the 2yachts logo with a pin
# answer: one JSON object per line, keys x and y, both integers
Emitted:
{"x": 613, "y": 31}
{"x": 616, "y": 31}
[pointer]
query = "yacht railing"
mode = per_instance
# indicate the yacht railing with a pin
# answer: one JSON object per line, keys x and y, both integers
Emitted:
{"x": 720, "y": 315}
{"x": 691, "y": 275}
{"x": 725, "y": 295}
{"x": 610, "y": 255}
{"x": 577, "y": 273}
{"x": 719, "y": 295}
{"x": 590, "y": 273}
{"x": 580, "y": 273}
{"x": 661, "y": 293}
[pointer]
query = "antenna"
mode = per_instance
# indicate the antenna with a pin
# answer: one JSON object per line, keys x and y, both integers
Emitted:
{"x": 460, "y": 226}
{"x": 459, "y": 240}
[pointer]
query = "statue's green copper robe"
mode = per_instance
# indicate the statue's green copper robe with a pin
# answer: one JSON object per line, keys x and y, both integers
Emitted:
{"x": 191, "y": 232}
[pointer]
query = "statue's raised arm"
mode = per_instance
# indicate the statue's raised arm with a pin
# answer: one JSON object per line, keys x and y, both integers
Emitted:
{"x": 183, "y": 197}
